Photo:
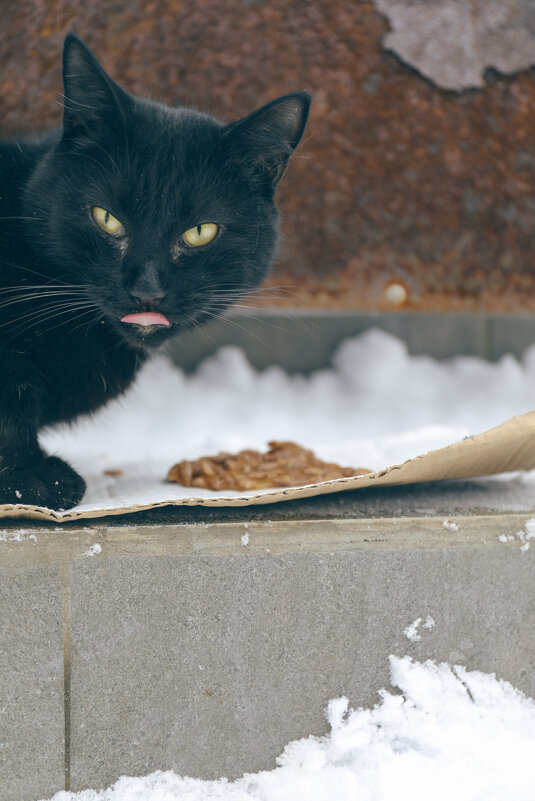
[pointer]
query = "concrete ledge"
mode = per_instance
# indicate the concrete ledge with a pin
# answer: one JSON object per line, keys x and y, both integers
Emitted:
{"x": 184, "y": 648}
{"x": 315, "y": 335}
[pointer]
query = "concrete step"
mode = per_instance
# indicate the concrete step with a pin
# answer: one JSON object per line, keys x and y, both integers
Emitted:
{"x": 206, "y": 647}
{"x": 315, "y": 335}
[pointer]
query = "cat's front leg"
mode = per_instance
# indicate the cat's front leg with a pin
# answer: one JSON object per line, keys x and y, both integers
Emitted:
{"x": 27, "y": 475}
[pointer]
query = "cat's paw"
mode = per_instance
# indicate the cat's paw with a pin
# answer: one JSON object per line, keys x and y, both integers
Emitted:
{"x": 48, "y": 482}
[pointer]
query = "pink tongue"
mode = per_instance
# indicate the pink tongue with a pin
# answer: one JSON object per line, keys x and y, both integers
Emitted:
{"x": 146, "y": 318}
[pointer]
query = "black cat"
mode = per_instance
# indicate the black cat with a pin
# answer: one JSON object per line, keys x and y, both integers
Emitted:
{"x": 131, "y": 223}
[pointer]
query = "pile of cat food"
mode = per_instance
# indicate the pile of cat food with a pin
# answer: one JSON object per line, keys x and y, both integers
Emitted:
{"x": 285, "y": 464}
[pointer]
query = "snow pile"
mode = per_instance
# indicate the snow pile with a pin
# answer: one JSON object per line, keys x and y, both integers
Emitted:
{"x": 452, "y": 735}
{"x": 375, "y": 407}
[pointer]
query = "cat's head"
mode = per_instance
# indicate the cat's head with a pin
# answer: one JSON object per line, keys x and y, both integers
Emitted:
{"x": 162, "y": 212}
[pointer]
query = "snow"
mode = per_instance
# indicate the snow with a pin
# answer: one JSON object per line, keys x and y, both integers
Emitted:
{"x": 375, "y": 407}
{"x": 525, "y": 535}
{"x": 245, "y": 537}
{"x": 20, "y": 535}
{"x": 449, "y": 735}
{"x": 506, "y": 538}
{"x": 93, "y": 550}
{"x": 411, "y": 631}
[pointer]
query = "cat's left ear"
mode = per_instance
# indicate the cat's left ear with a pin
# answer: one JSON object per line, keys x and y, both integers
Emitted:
{"x": 269, "y": 135}
{"x": 93, "y": 101}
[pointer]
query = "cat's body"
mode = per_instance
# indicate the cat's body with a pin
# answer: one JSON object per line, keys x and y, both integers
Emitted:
{"x": 104, "y": 365}
{"x": 130, "y": 224}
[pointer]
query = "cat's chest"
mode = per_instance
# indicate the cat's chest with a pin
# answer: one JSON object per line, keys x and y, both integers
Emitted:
{"x": 83, "y": 374}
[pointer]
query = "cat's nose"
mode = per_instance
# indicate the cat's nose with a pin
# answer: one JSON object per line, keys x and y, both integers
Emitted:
{"x": 146, "y": 289}
{"x": 148, "y": 297}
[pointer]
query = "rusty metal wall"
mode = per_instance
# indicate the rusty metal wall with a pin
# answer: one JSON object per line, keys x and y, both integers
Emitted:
{"x": 402, "y": 195}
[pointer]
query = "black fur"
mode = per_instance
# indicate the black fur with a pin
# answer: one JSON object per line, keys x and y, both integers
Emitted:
{"x": 65, "y": 284}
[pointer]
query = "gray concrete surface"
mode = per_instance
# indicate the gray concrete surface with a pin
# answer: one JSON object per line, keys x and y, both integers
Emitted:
{"x": 186, "y": 649}
{"x": 32, "y": 759}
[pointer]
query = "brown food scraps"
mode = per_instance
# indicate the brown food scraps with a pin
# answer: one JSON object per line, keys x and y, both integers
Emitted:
{"x": 284, "y": 465}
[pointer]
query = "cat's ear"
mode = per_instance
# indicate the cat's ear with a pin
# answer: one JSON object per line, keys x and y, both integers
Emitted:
{"x": 92, "y": 100}
{"x": 269, "y": 135}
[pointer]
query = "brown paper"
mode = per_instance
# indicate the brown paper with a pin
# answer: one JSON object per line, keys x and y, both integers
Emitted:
{"x": 508, "y": 447}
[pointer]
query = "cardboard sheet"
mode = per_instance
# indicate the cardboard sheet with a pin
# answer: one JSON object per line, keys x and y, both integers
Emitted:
{"x": 508, "y": 447}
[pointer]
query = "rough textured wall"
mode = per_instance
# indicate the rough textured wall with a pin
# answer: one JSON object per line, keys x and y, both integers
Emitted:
{"x": 402, "y": 195}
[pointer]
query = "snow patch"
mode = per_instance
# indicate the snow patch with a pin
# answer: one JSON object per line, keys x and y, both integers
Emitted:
{"x": 19, "y": 535}
{"x": 411, "y": 631}
{"x": 525, "y": 535}
{"x": 451, "y": 735}
{"x": 93, "y": 550}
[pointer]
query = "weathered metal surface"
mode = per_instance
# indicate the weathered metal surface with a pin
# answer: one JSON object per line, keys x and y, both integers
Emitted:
{"x": 402, "y": 195}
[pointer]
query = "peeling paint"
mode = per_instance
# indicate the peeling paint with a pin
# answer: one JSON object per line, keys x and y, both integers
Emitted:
{"x": 453, "y": 42}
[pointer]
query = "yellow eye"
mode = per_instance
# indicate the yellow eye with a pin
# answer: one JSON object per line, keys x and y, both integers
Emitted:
{"x": 200, "y": 235}
{"x": 107, "y": 221}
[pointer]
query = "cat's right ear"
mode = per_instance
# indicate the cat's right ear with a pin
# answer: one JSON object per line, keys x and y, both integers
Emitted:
{"x": 268, "y": 137}
{"x": 92, "y": 101}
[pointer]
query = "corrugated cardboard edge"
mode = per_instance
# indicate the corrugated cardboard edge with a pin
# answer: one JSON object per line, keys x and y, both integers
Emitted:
{"x": 510, "y": 446}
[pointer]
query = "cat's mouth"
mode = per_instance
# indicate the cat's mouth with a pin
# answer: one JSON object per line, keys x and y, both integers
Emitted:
{"x": 146, "y": 320}
{"x": 145, "y": 329}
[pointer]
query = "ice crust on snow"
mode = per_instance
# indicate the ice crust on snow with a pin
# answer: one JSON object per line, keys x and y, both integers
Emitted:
{"x": 376, "y": 406}
{"x": 451, "y": 735}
